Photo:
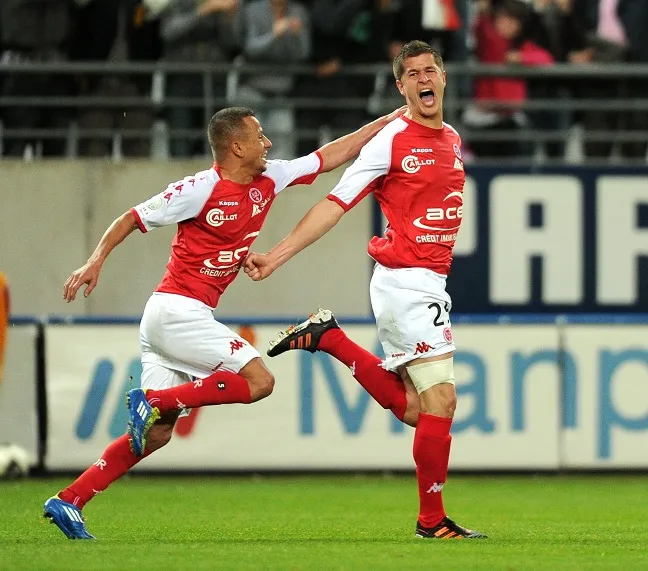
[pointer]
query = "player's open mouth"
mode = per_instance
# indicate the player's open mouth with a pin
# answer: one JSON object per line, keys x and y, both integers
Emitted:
{"x": 427, "y": 97}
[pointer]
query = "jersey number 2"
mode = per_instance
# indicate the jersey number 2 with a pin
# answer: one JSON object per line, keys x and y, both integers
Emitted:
{"x": 440, "y": 313}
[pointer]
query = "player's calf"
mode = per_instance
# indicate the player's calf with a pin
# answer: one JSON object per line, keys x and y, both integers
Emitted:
{"x": 305, "y": 335}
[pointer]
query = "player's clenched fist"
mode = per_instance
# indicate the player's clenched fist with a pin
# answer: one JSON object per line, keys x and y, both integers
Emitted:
{"x": 87, "y": 274}
{"x": 258, "y": 266}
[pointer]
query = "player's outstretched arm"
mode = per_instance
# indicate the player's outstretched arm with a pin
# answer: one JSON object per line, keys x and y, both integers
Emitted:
{"x": 89, "y": 272}
{"x": 342, "y": 150}
{"x": 317, "y": 222}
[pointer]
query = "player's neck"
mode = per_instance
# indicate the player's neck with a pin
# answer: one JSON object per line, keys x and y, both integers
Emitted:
{"x": 435, "y": 122}
{"x": 237, "y": 174}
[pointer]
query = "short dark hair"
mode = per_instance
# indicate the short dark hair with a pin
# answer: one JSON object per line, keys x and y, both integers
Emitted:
{"x": 413, "y": 49}
{"x": 225, "y": 124}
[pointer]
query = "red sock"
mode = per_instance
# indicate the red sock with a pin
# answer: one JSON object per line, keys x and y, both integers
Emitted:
{"x": 384, "y": 386}
{"x": 431, "y": 455}
{"x": 219, "y": 388}
{"x": 116, "y": 460}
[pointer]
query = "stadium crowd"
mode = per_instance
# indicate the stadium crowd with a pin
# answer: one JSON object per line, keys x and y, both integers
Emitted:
{"x": 328, "y": 34}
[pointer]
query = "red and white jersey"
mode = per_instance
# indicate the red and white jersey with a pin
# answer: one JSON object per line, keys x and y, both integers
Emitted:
{"x": 217, "y": 222}
{"x": 417, "y": 176}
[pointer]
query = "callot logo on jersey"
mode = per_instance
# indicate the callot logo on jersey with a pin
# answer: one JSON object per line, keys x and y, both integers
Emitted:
{"x": 217, "y": 217}
{"x": 412, "y": 164}
{"x": 438, "y": 214}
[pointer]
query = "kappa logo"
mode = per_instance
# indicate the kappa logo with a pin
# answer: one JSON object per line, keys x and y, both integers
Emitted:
{"x": 221, "y": 386}
{"x": 458, "y": 165}
{"x": 435, "y": 488}
{"x": 236, "y": 345}
{"x": 258, "y": 208}
{"x": 422, "y": 347}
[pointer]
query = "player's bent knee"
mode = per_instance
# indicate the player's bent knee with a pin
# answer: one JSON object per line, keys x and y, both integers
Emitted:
{"x": 435, "y": 379}
{"x": 261, "y": 386}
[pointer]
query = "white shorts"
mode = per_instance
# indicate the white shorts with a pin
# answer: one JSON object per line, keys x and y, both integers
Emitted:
{"x": 180, "y": 339}
{"x": 412, "y": 311}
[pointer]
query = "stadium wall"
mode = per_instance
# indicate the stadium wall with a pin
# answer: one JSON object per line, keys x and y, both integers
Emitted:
{"x": 536, "y": 393}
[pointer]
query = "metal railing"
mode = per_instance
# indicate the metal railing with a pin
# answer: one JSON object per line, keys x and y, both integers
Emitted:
{"x": 229, "y": 78}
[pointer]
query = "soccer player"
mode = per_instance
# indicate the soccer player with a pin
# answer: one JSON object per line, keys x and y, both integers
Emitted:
{"x": 190, "y": 360}
{"x": 414, "y": 169}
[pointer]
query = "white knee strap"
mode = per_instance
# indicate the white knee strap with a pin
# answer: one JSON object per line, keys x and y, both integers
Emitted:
{"x": 432, "y": 373}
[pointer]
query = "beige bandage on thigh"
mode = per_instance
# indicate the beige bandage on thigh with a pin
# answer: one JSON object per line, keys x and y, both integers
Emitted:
{"x": 426, "y": 375}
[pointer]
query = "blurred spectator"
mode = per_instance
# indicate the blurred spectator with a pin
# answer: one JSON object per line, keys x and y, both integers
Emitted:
{"x": 344, "y": 32}
{"x": 607, "y": 43}
{"x": 633, "y": 15}
{"x": 196, "y": 31}
{"x": 34, "y": 30}
{"x": 434, "y": 21}
{"x": 617, "y": 33}
{"x": 106, "y": 30}
{"x": 500, "y": 40}
{"x": 553, "y": 25}
{"x": 276, "y": 31}
{"x": 99, "y": 32}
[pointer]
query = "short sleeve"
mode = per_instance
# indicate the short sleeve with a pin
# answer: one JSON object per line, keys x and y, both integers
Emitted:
{"x": 362, "y": 176}
{"x": 303, "y": 170}
{"x": 180, "y": 201}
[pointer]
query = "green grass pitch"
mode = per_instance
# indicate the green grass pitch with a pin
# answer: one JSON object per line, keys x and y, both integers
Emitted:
{"x": 333, "y": 522}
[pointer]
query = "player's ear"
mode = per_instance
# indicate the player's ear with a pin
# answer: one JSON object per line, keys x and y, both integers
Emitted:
{"x": 399, "y": 84}
{"x": 444, "y": 78}
{"x": 237, "y": 149}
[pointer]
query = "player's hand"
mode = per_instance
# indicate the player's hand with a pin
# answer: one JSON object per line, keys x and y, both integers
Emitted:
{"x": 395, "y": 114}
{"x": 87, "y": 274}
{"x": 258, "y": 266}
